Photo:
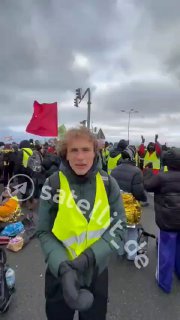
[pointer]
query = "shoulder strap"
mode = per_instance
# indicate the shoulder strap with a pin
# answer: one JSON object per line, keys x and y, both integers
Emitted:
{"x": 27, "y": 152}
{"x": 54, "y": 182}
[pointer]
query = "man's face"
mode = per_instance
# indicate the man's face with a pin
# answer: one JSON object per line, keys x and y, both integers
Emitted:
{"x": 80, "y": 154}
{"x": 151, "y": 147}
{"x": 44, "y": 150}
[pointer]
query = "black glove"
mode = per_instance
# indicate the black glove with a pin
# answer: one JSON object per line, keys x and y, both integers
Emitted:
{"x": 84, "y": 261}
{"x": 156, "y": 137}
{"x": 75, "y": 298}
{"x": 142, "y": 138}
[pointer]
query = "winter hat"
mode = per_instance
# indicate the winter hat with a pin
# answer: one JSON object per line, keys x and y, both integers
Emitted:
{"x": 24, "y": 144}
{"x": 129, "y": 153}
{"x": 171, "y": 158}
{"x": 122, "y": 144}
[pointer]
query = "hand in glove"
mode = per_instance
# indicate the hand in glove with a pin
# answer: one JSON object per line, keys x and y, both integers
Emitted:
{"x": 156, "y": 137}
{"x": 75, "y": 298}
{"x": 142, "y": 138}
{"x": 84, "y": 261}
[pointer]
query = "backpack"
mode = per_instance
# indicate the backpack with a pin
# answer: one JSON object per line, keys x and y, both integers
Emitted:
{"x": 34, "y": 161}
{"x": 5, "y": 292}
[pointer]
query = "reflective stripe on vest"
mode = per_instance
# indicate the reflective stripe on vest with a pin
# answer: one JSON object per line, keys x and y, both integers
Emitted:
{"x": 152, "y": 158}
{"x": 26, "y": 156}
{"x": 137, "y": 159}
{"x": 112, "y": 163}
{"x": 70, "y": 225}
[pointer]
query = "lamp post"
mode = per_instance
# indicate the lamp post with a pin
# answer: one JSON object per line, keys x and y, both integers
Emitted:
{"x": 79, "y": 98}
{"x": 129, "y": 117}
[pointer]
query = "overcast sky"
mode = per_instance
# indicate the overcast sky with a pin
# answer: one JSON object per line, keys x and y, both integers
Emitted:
{"x": 126, "y": 51}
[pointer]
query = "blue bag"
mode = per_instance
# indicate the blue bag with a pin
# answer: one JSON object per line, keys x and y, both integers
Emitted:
{"x": 13, "y": 229}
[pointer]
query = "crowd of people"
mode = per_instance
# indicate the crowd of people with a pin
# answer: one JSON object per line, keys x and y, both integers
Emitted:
{"x": 31, "y": 158}
{"x": 99, "y": 189}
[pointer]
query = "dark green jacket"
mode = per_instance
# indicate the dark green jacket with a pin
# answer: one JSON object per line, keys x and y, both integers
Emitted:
{"x": 85, "y": 188}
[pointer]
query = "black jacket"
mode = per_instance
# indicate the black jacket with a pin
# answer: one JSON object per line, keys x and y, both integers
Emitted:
{"x": 114, "y": 153}
{"x": 18, "y": 164}
{"x": 50, "y": 164}
{"x": 166, "y": 188}
{"x": 130, "y": 179}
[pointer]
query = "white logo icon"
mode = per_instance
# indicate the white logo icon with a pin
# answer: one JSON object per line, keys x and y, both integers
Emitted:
{"x": 21, "y": 188}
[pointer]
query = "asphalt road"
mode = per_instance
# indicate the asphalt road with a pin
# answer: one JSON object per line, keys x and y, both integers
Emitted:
{"x": 133, "y": 293}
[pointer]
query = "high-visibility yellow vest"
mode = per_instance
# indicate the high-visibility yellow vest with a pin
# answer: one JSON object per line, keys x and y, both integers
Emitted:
{"x": 71, "y": 227}
{"x": 152, "y": 158}
{"x": 27, "y": 152}
{"x": 105, "y": 155}
{"x": 112, "y": 163}
{"x": 165, "y": 169}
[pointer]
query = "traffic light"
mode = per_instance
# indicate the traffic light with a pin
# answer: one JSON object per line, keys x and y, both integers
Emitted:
{"x": 76, "y": 102}
{"x": 78, "y": 93}
{"x": 83, "y": 123}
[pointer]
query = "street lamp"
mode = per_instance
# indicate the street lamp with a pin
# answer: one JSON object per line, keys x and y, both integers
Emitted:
{"x": 129, "y": 116}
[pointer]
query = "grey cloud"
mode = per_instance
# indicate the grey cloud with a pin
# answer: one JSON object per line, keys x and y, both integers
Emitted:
{"x": 162, "y": 12}
{"x": 39, "y": 45}
{"x": 159, "y": 29}
{"x": 147, "y": 97}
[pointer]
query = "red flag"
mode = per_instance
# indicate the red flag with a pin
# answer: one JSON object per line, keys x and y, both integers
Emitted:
{"x": 44, "y": 120}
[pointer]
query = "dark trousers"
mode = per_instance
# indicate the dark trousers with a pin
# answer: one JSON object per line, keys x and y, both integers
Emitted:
{"x": 168, "y": 258}
{"x": 7, "y": 174}
{"x": 56, "y": 308}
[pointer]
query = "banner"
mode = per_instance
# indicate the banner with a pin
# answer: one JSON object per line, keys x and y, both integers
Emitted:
{"x": 44, "y": 120}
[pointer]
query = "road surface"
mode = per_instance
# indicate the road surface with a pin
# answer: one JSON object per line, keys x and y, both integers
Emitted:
{"x": 133, "y": 293}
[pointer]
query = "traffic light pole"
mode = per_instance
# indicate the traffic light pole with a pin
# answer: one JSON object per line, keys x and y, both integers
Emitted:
{"x": 88, "y": 91}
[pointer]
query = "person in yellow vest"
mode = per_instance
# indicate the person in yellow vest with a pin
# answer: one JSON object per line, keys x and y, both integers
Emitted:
{"x": 151, "y": 155}
{"x": 81, "y": 222}
{"x": 115, "y": 155}
{"x": 23, "y": 155}
{"x": 105, "y": 156}
{"x": 21, "y": 167}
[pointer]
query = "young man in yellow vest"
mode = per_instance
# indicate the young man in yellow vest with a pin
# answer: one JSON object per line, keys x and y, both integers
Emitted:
{"x": 81, "y": 222}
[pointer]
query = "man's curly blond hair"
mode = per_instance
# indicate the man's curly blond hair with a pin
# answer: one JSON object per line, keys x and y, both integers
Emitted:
{"x": 76, "y": 133}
